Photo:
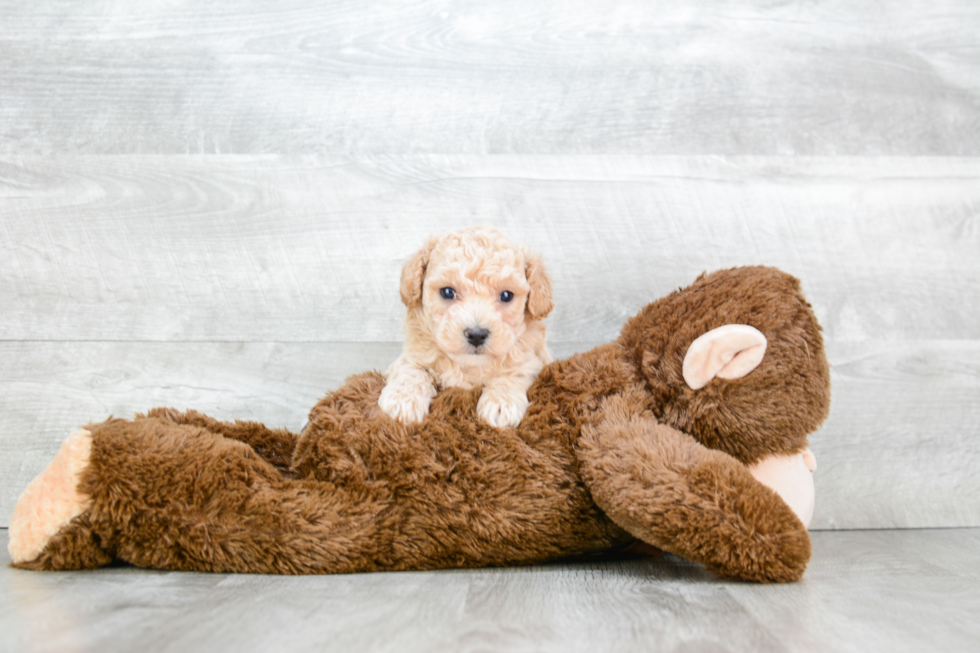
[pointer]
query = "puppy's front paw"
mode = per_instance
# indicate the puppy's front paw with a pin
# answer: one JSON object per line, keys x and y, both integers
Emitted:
{"x": 403, "y": 404}
{"x": 502, "y": 410}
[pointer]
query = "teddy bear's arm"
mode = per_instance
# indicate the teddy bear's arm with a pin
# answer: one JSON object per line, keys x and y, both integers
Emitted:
{"x": 672, "y": 492}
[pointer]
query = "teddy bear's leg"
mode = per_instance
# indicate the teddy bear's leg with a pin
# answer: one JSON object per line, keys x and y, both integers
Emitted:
{"x": 178, "y": 496}
{"x": 671, "y": 491}
{"x": 273, "y": 445}
{"x": 175, "y": 496}
{"x": 48, "y": 509}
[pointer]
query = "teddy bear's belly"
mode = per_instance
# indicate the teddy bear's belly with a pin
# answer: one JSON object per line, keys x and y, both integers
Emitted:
{"x": 473, "y": 520}
{"x": 468, "y": 499}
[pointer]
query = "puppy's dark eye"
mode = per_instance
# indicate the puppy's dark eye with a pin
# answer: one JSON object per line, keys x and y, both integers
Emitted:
{"x": 447, "y": 293}
{"x": 506, "y": 296}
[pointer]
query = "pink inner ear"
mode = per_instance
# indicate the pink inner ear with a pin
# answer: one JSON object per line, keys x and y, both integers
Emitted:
{"x": 728, "y": 352}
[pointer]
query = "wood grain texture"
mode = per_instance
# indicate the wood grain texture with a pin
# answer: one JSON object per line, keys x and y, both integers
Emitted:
{"x": 309, "y": 249}
{"x": 900, "y": 450}
{"x": 864, "y": 591}
{"x": 462, "y": 76}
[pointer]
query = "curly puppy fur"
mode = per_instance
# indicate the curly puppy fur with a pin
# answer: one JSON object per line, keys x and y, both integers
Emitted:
{"x": 475, "y": 308}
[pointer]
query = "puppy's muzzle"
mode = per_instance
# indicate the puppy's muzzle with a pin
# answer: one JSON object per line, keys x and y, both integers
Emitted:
{"x": 476, "y": 337}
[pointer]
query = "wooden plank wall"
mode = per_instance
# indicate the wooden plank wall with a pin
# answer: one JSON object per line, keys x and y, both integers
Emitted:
{"x": 206, "y": 204}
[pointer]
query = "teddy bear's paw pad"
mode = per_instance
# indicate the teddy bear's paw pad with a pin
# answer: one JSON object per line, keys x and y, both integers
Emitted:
{"x": 51, "y": 500}
{"x": 791, "y": 477}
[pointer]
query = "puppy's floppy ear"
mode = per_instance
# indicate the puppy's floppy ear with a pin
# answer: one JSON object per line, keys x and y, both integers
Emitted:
{"x": 539, "y": 302}
{"x": 414, "y": 272}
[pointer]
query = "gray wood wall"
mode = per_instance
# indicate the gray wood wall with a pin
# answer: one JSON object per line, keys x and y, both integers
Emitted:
{"x": 206, "y": 204}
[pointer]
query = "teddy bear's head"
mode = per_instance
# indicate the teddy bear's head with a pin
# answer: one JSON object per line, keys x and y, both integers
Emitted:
{"x": 740, "y": 416}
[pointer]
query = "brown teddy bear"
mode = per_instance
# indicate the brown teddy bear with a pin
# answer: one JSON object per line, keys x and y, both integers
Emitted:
{"x": 650, "y": 437}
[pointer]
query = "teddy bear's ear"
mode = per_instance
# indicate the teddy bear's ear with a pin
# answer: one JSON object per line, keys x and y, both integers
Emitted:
{"x": 413, "y": 273}
{"x": 728, "y": 352}
{"x": 539, "y": 302}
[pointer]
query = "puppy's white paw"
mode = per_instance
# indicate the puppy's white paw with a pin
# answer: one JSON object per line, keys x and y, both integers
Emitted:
{"x": 502, "y": 410}
{"x": 408, "y": 406}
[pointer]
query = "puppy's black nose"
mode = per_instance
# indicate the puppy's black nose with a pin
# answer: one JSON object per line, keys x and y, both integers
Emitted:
{"x": 476, "y": 337}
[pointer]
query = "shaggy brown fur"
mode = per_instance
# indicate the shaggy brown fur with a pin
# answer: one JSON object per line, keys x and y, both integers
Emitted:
{"x": 613, "y": 447}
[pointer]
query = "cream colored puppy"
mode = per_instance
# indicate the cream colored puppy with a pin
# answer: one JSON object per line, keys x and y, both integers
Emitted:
{"x": 475, "y": 308}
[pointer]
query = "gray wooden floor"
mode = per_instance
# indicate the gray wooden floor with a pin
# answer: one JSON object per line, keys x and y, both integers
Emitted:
{"x": 891, "y": 590}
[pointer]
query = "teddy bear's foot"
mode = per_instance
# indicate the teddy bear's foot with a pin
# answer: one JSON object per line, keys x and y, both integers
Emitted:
{"x": 51, "y": 501}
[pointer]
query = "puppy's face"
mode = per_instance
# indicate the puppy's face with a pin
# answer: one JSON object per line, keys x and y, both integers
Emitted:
{"x": 475, "y": 308}
{"x": 476, "y": 295}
